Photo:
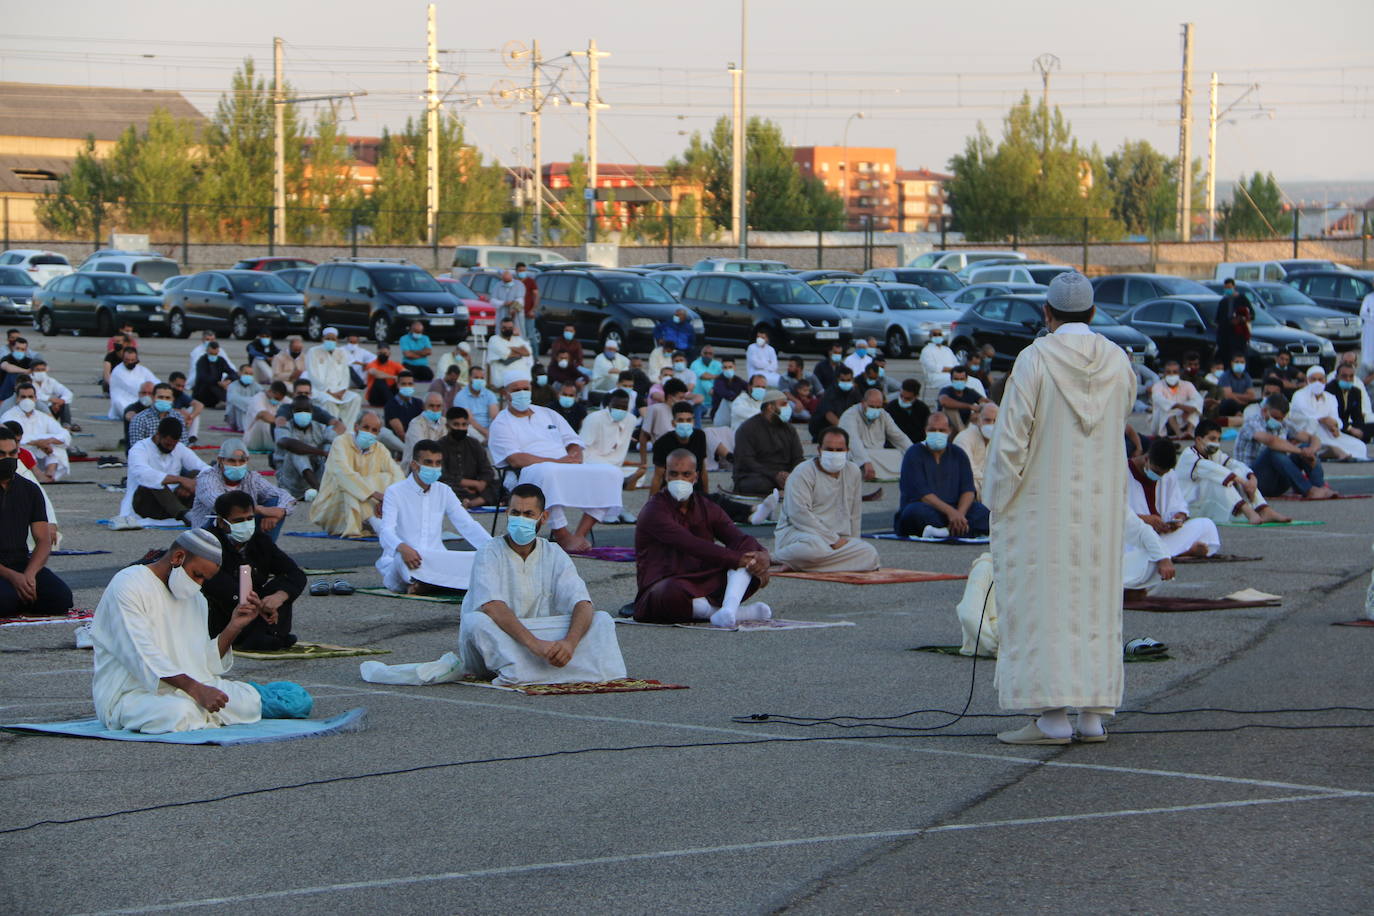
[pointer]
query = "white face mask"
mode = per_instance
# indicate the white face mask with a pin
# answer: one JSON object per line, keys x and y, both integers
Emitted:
{"x": 834, "y": 462}
{"x": 987, "y": 429}
{"x": 1171, "y": 380}
{"x": 183, "y": 587}
{"x": 26, "y": 405}
{"x": 760, "y": 341}
{"x": 1314, "y": 387}
{"x": 39, "y": 376}
{"x": 679, "y": 490}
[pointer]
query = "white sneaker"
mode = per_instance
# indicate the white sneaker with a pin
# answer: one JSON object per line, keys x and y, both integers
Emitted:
{"x": 310, "y": 495}
{"x": 124, "y": 523}
{"x": 83, "y": 637}
{"x": 627, "y": 517}
{"x": 933, "y": 532}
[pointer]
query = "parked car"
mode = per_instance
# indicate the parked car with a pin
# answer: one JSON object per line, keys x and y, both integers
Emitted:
{"x": 40, "y": 265}
{"x": 295, "y": 277}
{"x": 997, "y": 273}
{"x": 663, "y": 265}
{"x": 466, "y": 257}
{"x": 274, "y": 263}
{"x": 1044, "y": 273}
{"x": 1010, "y": 323}
{"x": 941, "y": 282}
{"x": 380, "y": 297}
{"x": 672, "y": 280}
{"x": 735, "y": 265}
{"x": 795, "y": 316}
{"x": 1297, "y": 310}
{"x": 604, "y": 305}
{"x": 17, "y": 290}
{"x": 1178, "y": 324}
{"x": 822, "y": 277}
{"x": 100, "y": 302}
{"x": 238, "y": 302}
{"x": 149, "y": 266}
{"x": 971, "y": 294}
{"x": 958, "y": 260}
{"x": 566, "y": 265}
{"x": 1337, "y": 289}
{"x": 1272, "y": 271}
{"x": 1115, "y": 293}
{"x": 481, "y": 313}
{"x": 172, "y": 283}
{"x": 480, "y": 281}
{"x": 901, "y": 315}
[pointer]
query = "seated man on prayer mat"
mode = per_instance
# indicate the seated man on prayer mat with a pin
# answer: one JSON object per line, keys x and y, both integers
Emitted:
{"x": 682, "y": 435}
{"x": 356, "y": 474}
{"x": 156, "y": 670}
{"x": 974, "y": 441}
{"x": 527, "y": 617}
{"x": 607, "y": 434}
{"x": 682, "y": 572}
{"x": 541, "y": 447}
{"x": 1153, "y": 493}
{"x": 1146, "y": 561}
{"x": 302, "y": 447}
{"x": 937, "y": 493}
{"x": 42, "y": 434}
{"x": 1219, "y": 486}
{"x": 327, "y": 365}
{"x": 276, "y": 580}
{"x": 467, "y": 469}
{"x": 875, "y": 440}
{"x": 820, "y": 526}
{"x": 27, "y": 586}
{"x": 232, "y": 473}
{"x": 414, "y": 559}
{"x": 1175, "y": 404}
{"x": 767, "y": 448}
{"x": 1282, "y": 457}
{"x": 261, "y": 417}
{"x": 161, "y": 475}
{"x": 429, "y": 424}
{"x": 1315, "y": 412}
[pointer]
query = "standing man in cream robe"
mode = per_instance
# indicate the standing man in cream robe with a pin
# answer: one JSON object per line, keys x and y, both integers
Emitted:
{"x": 1057, "y": 510}
{"x": 876, "y": 441}
{"x": 328, "y": 368}
{"x": 822, "y": 515}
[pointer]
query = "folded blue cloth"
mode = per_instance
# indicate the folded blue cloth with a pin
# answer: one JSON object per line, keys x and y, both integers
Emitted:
{"x": 249, "y": 733}
{"x": 284, "y": 700}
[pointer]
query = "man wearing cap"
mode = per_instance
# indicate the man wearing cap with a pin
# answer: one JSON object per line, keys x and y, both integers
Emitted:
{"x": 1316, "y": 413}
{"x": 459, "y": 358}
{"x": 328, "y": 367}
{"x": 1057, "y": 523}
{"x": 766, "y": 447}
{"x": 607, "y": 366}
{"x": 451, "y": 381}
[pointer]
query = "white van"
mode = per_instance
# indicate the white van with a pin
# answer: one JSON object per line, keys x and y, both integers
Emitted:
{"x": 466, "y": 257}
{"x": 1272, "y": 271}
{"x": 958, "y": 260}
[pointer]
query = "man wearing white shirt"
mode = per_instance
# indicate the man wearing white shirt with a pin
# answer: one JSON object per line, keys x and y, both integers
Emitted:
{"x": 1175, "y": 404}
{"x": 327, "y": 365}
{"x": 42, "y": 435}
{"x": 51, "y": 393}
{"x": 607, "y": 366}
{"x": 508, "y": 354}
{"x": 542, "y": 448}
{"x": 748, "y": 404}
{"x": 508, "y": 297}
{"x": 414, "y": 559}
{"x": 936, "y": 361}
{"x": 661, "y": 358}
{"x": 762, "y": 359}
{"x": 1367, "y": 341}
{"x": 125, "y": 380}
{"x": 161, "y": 476}
{"x": 430, "y": 424}
{"x": 864, "y": 351}
{"x": 607, "y": 434}
{"x": 358, "y": 358}
{"x": 1315, "y": 412}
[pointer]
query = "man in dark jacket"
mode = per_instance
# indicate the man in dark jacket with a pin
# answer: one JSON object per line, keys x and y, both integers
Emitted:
{"x": 276, "y": 579}
{"x": 766, "y": 447}
{"x": 213, "y": 376}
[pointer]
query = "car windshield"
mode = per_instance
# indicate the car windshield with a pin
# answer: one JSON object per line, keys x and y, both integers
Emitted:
{"x": 11, "y": 277}
{"x": 906, "y": 300}
{"x": 927, "y": 260}
{"x": 635, "y": 289}
{"x": 459, "y": 289}
{"x": 939, "y": 281}
{"x": 404, "y": 280}
{"x": 155, "y": 271}
{"x": 122, "y": 286}
{"x": 258, "y": 282}
{"x": 671, "y": 281}
{"x": 1283, "y": 295}
{"x": 1179, "y": 286}
{"x": 48, "y": 260}
{"x": 785, "y": 292}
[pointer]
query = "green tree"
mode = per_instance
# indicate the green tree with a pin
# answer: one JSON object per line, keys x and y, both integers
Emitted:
{"x": 329, "y": 195}
{"x": 1140, "y": 177}
{"x": 157, "y": 172}
{"x": 77, "y": 206}
{"x": 1256, "y": 210}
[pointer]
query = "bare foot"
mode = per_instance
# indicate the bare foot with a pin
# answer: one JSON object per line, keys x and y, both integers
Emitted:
{"x": 571, "y": 542}
{"x": 1197, "y": 550}
{"x": 1251, "y": 515}
{"x": 1269, "y": 515}
{"x": 1320, "y": 493}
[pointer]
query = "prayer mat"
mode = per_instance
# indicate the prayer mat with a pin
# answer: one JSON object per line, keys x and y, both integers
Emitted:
{"x": 619, "y": 685}
{"x": 75, "y": 615}
{"x": 1164, "y": 604}
{"x": 75, "y": 553}
{"x": 326, "y": 570}
{"x": 1299, "y": 499}
{"x": 304, "y": 651}
{"x": 1218, "y": 558}
{"x": 259, "y": 732}
{"x": 609, "y": 554}
{"x": 388, "y": 593}
{"x": 881, "y": 576}
{"x": 168, "y": 524}
{"x": 82, "y": 458}
{"x": 744, "y": 626}
{"x": 205, "y": 448}
{"x": 226, "y": 429}
{"x": 890, "y": 536}
{"x": 954, "y": 650}
{"x": 1353, "y": 623}
{"x": 326, "y": 534}
{"x": 1295, "y": 523}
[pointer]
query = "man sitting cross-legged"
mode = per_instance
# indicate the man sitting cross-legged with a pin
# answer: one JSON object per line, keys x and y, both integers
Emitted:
{"x": 274, "y": 578}
{"x": 937, "y": 493}
{"x": 683, "y": 573}
{"x": 302, "y": 448}
{"x": 819, "y": 528}
{"x": 1282, "y": 456}
{"x": 527, "y": 617}
{"x": 414, "y": 559}
{"x": 356, "y": 474}
{"x": 541, "y": 446}
{"x": 43, "y": 435}
{"x": 878, "y": 443}
{"x": 467, "y": 469}
{"x": 1175, "y": 404}
{"x": 27, "y": 586}
{"x": 1154, "y": 494}
{"x": 607, "y": 434}
{"x": 682, "y": 435}
{"x": 1219, "y": 486}
{"x": 162, "y": 475}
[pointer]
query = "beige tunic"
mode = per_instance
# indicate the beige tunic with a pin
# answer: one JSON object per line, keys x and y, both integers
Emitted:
{"x": 976, "y": 447}
{"x": 818, "y": 510}
{"x": 350, "y": 478}
{"x": 1057, "y": 511}
{"x": 880, "y": 442}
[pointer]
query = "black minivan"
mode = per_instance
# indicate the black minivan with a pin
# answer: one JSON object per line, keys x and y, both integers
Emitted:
{"x": 735, "y": 306}
{"x": 603, "y": 305}
{"x": 380, "y": 297}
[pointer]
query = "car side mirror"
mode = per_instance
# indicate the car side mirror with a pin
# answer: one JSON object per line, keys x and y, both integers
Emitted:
{"x": 745, "y": 303}
{"x": 595, "y": 300}
{"x": 364, "y": 290}
{"x": 1030, "y": 325}
{"x": 1193, "y": 325}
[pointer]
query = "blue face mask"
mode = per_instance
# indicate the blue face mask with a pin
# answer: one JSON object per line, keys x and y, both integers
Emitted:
{"x": 566, "y": 401}
{"x": 683, "y": 430}
{"x": 212, "y": 357}
{"x": 478, "y": 384}
{"x": 520, "y": 400}
{"x": 245, "y": 380}
{"x": 872, "y": 413}
{"x": 265, "y": 341}
{"x": 618, "y": 413}
{"x": 429, "y": 475}
{"x": 433, "y": 416}
{"x": 407, "y": 391}
{"x": 757, "y": 393}
{"x": 567, "y": 335}
{"x": 365, "y": 439}
{"x": 541, "y": 380}
{"x": 1238, "y": 368}
{"x": 1150, "y": 473}
{"x": 785, "y": 414}
{"x": 860, "y": 351}
{"x": 958, "y": 384}
{"x": 521, "y": 530}
{"x": 728, "y": 373}
{"x": 302, "y": 418}
{"x": 881, "y": 372}
{"x": 329, "y": 345}
{"x": 1274, "y": 426}
{"x": 162, "y": 406}
{"x": 1345, "y": 385}
{"x": 844, "y": 386}
{"x": 235, "y": 473}
{"x": 936, "y": 442}
{"x": 834, "y": 357}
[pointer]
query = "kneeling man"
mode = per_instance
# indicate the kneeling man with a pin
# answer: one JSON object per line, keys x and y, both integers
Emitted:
{"x": 527, "y": 617}
{"x": 414, "y": 559}
{"x": 822, "y": 513}
{"x": 1154, "y": 494}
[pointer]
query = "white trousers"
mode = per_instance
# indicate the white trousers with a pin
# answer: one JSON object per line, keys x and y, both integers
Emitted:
{"x": 172, "y": 710}
{"x": 444, "y": 568}
{"x": 486, "y": 651}
{"x": 1194, "y": 530}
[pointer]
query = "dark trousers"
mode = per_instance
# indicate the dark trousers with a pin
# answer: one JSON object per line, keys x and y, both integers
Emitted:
{"x": 159, "y": 502}
{"x": 421, "y": 373}
{"x": 209, "y": 395}
{"x": 755, "y": 484}
{"x": 670, "y": 600}
{"x": 913, "y": 518}
{"x": 1278, "y": 472}
{"x": 54, "y": 597}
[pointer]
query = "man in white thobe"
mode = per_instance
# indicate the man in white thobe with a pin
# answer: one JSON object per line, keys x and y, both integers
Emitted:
{"x": 356, "y": 475}
{"x": 156, "y": 669}
{"x": 542, "y": 449}
{"x": 1219, "y": 486}
{"x": 239, "y": 398}
{"x": 411, "y": 530}
{"x": 508, "y": 355}
{"x": 161, "y": 476}
{"x": 974, "y": 440}
{"x": 607, "y": 366}
{"x": 1146, "y": 561}
{"x": 864, "y": 351}
{"x": 607, "y": 434}
{"x": 1057, "y": 511}
{"x": 261, "y": 417}
{"x": 527, "y": 617}
{"x": 821, "y": 521}
{"x": 936, "y": 361}
{"x": 327, "y": 365}
{"x": 42, "y": 435}
{"x": 1315, "y": 412}
{"x": 762, "y": 359}
{"x": 53, "y": 396}
{"x": 1155, "y": 495}
{"x": 875, "y": 440}
{"x": 1366, "y": 369}
{"x": 199, "y": 350}
{"x": 749, "y": 403}
{"x": 1175, "y": 404}
{"x": 125, "y": 380}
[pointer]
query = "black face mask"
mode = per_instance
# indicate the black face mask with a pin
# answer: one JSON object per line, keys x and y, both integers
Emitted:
{"x": 383, "y": 357}
{"x": 506, "y": 332}
{"x": 8, "y": 467}
{"x": 458, "y": 435}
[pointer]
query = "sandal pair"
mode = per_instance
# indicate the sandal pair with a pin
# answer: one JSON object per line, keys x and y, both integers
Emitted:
{"x": 338, "y": 587}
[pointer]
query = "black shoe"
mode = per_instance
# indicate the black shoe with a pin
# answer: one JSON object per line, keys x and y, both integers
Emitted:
{"x": 75, "y": 453}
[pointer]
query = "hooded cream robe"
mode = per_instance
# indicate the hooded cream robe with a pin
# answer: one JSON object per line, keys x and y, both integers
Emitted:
{"x": 1057, "y": 511}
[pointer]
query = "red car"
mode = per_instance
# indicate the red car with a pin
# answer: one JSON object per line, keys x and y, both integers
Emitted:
{"x": 273, "y": 263}
{"x": 481, "y": 313}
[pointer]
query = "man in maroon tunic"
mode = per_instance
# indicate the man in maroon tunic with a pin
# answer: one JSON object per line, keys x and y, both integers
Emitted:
{"x": 683, "y": 573}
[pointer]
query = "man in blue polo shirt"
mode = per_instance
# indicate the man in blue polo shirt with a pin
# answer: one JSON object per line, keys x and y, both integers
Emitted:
{"x": 415, "y": 349}
{"x": 937, "y": 489}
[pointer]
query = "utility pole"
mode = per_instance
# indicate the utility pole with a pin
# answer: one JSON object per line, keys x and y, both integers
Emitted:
{"x": 1185, "y": 139}
{"x": 741, "y": 134}
{"x": 278, "y": 146}
{"x": 736, "y": 158}
{"x": 1045, "y": 64}
{"x": 1212, "y": 160}
{"x": 594, "y": 103}
{"x": 536, "y": 103}
{"x": 431, "y": 130}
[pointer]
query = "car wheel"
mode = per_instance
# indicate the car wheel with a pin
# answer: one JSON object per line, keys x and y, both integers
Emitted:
{"x": 896, "y": 344}
{"x": 104, "y": 324}
{"x": 381, "y": 329}
{"x": 238, "y": 326}
{"x": 176, "y": 325}
{"x": 314, "y": 326}
{"x": 46, "y": 324}
{"x": 613, "y": 333}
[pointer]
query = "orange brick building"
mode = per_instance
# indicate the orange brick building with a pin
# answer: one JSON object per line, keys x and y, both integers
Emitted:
{"x": 922, "y": 200}
{"x": 865, "y": 177}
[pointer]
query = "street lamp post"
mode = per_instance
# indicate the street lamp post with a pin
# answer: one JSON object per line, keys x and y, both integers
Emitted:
{"x": 844, "y": 179}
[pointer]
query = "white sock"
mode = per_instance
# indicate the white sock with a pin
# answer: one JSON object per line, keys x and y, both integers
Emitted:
{"x": 1090, "y": 724}
{"x": 764, "y": 510}
{"x": 755, "y": 611}
{"x": 736, "y": 582}
{"x": 933, "y": 532}
{"x": 702, "y": 609}
{"x": 1055, "y": 723}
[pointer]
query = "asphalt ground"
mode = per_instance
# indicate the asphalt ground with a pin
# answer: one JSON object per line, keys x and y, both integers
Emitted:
{"x": 455, "y": 799}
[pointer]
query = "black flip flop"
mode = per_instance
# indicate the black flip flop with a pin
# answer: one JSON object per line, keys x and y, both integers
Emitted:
{"x": 319, "y": 589}
{"x": 341, "y": 587}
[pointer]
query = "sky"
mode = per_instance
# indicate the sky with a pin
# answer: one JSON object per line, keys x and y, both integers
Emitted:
{"x": 922, "y": 75}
